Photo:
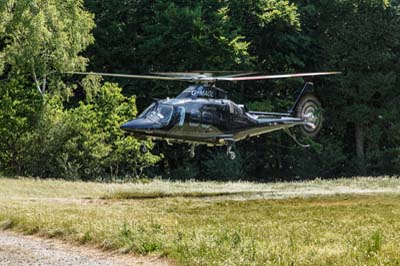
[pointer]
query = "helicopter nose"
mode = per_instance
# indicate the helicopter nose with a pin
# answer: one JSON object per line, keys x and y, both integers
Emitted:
{"x": 139, "y": 125}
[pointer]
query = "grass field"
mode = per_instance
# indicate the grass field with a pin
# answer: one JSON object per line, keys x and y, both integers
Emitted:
{"x": 341, "y": 222}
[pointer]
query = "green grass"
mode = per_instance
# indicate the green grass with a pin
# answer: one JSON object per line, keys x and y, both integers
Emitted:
{"x": 193, "y": 223}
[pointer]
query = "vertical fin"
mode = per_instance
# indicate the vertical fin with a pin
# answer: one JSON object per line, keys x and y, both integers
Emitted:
{"x": 307, "y": 87}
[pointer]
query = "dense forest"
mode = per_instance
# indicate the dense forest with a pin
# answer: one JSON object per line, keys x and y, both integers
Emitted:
{"x": 57, "y": 125}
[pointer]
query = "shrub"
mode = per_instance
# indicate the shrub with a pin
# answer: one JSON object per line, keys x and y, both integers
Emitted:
{"x": 86, "y": 142}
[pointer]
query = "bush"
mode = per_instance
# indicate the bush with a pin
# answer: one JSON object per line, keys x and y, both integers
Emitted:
{"x": 86, "y": 142}
{"x": 219, "y": 167}
{"x": 20, "y": 106}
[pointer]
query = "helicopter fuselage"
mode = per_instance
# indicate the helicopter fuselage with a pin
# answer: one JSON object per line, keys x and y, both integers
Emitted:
{"x": 213, "y": 122}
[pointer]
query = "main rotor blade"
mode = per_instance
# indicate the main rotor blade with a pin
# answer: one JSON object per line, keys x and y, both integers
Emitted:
{"x": 204, "y": 78}
{"x": 240, "y": 74}
{"x": 181, "y": 74}
{"x": 206, "y": 74}
{"x": 132, "y": 76}
{"x": 299, "y": 75}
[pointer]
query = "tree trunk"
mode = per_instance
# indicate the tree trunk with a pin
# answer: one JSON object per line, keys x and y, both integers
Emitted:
{"x": 359, "y": 135}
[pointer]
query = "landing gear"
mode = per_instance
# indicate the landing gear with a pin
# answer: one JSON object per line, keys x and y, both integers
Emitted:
{"x": 231, "y": 154}
{"x": 143, "y": 148}
{"x": 192, "y": 152}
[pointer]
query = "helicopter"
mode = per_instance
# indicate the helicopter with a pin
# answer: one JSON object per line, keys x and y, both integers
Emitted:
{"x": 202, "y": 114}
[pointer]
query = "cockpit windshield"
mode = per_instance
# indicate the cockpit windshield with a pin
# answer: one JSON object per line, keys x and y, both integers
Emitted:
{"x": 158, "y": 113}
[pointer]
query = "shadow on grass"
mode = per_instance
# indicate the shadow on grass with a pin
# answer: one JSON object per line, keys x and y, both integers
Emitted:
{"x": 159, "y": 194}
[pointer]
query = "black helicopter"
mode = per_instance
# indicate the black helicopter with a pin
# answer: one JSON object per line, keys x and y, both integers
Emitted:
{"x": 203, "y": 114}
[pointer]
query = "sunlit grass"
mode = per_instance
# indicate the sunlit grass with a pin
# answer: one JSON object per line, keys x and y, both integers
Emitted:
{"x": 174, "y": 220}
{"x": 36, "y": 188}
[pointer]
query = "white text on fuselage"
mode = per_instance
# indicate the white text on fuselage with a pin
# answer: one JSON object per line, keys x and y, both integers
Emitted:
{"x": 203, "y": 93}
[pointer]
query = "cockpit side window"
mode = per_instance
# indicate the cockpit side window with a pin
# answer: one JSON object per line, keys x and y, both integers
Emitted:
{"x": 181, "y": 112}
{"x": 146, "y": 111}
{"x": 164, "y": 112}
{"x": 158, "y": 113}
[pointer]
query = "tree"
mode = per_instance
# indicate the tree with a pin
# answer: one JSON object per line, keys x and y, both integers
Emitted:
{"x": 188, "y": 35}
{"x": 272, "y": 28}
{"x": 43, "y": 39}
{"x": 118, "y": 33}
{"x": 86, "y": 142}
{"x": 19, "y": 111}
{"x": 159, "y": 35}
{"x": 362, "y": 40}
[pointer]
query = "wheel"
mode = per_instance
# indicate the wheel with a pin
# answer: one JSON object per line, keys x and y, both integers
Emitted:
{"x": 143, "y": 149}
{"x": 192, "y": 152}
{"x": 309, "y": 109}
{"x": 231, "y": 155}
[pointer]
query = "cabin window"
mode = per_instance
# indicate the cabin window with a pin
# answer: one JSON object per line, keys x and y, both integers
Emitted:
{"x": 207, "y": 119}
{"x": 238, "y": 110}
{"x": 231, "y": 108}
{"x": 194, "y": 118}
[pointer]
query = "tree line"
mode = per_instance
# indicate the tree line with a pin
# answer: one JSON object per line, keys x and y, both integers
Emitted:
{"x": 53, "y": 124}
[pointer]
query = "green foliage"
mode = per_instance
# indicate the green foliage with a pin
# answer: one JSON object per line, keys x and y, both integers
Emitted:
{"x": 262, "y": 106}
{"x": 86, "y": 142}
{"x": 43, "y": 39}
{"x": 118, "y": 32}
{"x": 364, "y": 44}
{"x": 368, "y": 60}
{"x": 186, "y": 171}
{"x": 19, "y": 109}
{"x": 324, "y": 159}
{"x": 271, "y": 28}
{"x": 328, "y": 39}
{"x": 182, "y": 33}
{"x": 231, "y": 170}
{"x": 39, "y": 40}
{"x": 375, "y": 245}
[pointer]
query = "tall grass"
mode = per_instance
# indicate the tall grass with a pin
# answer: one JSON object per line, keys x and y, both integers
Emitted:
{"x": 225, "y": 230}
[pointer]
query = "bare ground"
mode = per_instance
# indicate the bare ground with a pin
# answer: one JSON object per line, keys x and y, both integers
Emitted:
{"x": 18, "y": 250}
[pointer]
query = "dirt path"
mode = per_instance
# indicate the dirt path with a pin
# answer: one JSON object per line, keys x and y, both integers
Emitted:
{"x": 18, "y": 250}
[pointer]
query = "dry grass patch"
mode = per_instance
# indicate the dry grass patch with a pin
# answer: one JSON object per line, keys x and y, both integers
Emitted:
{"x": 159, "y": 194}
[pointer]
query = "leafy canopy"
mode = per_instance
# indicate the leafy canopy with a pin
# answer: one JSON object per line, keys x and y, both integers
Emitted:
{"x": 43, "y": 39}
{"x": 86, "y": 142}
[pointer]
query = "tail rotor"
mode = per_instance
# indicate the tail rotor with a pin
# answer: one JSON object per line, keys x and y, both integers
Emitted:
{"x": 309, "y": 109}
